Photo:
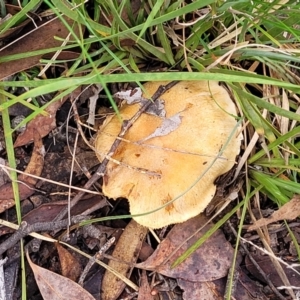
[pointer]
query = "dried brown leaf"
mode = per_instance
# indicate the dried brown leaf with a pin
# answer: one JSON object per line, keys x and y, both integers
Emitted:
{"x": 288, "y": 211}
{"x": 36, "y": 163}
{"x": 210, "y": 262}
{"x": 266, "y": 264}
{"x": 53, "y": 286}
{"x": 126, "y": 252}
{"x": 34, "y": 167}
{"x": 48, "y": 211}
{"x": 243, "y": 289}
{"x": 70, "y": 266}
{"x": 6, "y": 192}
{"x": 209, "y": 290}
{"x": 145, "y": 290}
{"x": 41, "y": 38}
{"x": 42, "y": 125}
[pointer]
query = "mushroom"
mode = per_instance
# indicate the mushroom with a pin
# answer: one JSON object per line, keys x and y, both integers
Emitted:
{"x": 166, "y": 166}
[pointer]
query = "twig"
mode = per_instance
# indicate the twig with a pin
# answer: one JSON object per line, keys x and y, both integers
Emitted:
{"x": 91, "y": 262}
{"x": 2, "y": 279}
{"x": 26, "y": 229}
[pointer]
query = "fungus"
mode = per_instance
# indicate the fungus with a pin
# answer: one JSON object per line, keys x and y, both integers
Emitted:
{"x": 166, "y": 165}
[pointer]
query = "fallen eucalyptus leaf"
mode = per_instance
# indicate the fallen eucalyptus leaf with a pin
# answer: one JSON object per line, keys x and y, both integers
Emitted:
{"x": 288, "y": 211}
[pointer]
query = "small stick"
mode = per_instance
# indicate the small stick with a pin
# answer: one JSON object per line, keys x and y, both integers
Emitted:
{"x": 26, "y": 229}
{"x": 2, "y": 279}
{"x": 92, "y": 260}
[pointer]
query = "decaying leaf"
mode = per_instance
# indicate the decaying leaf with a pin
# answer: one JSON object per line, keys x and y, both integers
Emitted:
{"x": 27, "y": 182}
{"x": 54, "y": 286}
{"x": 48, "y": 211}
{"x": 36, "y": 163}
{"x": 145, "y": 290}
{"x": 209, "y": 290}
{"x": 180, "y": 162}
{"x": 126, "y": 253}
{"x": 210, "y": 262}
{"x": 130, "y": 96}
{"x": 288, "y": 211}
{"x": 41, "y": 124}
{"x": 70, "y": 267}
{"x": 244, "y": 289}
{"x": 41, "y": 38}
{"x": 157, "y": 108}
{"x": 265, "y": 263}
{"x": 6, "y": 193}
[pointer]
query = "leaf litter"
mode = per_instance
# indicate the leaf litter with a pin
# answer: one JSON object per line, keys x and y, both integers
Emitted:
{"x": 184, "y": 274}
{"x": 210, "y": 262}
{"x": 39, "y": 39}
{"x": 41, "y": 124}
{"x": 54, "y": 286}
{"x": 288, "y": 211}
{"x": 70, "y": 266}
{"x": 27, "y": 182}
{"x": 125, "y": 255}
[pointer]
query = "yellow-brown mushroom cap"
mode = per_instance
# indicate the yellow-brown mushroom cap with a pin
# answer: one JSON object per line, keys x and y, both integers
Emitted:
{"x": 181, "y": 165}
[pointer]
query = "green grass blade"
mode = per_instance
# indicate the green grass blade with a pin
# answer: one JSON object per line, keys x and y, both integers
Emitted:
{"x": 21, "y": 15}
{"x": 154, "y": 10}
{"x": 13, "y": 176}
{"x": 270, "y": 186}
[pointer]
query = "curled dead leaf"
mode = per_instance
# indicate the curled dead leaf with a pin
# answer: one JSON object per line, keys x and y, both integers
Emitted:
{"x": 288, "y": 211}
{"x": 36, "y": 163}
{"x": 126, "y": 253}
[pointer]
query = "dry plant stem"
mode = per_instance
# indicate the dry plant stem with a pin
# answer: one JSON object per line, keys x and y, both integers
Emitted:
{"x": 35, "y": 243}
{"x": 125, "y": 127}
{"x": 262, "y": 273}
{"x": 26, "y": 229}
{"x": 78, "y": 123}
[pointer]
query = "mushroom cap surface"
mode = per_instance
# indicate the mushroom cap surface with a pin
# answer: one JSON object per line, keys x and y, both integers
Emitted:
{"x": 177, "y": 169}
